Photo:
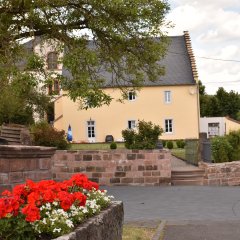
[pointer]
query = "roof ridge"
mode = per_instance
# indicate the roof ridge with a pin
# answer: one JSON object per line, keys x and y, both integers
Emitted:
{"x": 191, "y": 55}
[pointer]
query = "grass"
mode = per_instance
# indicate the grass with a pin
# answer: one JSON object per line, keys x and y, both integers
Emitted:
{"x": 137, "y": 233}
{"x": 179, "y": 152}
{"x": 94, "y": 146}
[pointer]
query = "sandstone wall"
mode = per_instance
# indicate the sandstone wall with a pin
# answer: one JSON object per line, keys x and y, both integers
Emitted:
{"x": 221, "y": 174}
{"x": 115, "y": 167}
{"x": 18, "y": 163}
{"x": 107, "y": 225}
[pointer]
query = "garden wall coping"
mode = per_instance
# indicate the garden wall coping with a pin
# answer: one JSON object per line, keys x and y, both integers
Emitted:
{"x": 105, "y": 226}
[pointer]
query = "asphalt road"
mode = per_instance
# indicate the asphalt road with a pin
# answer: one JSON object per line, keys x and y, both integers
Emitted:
{"x": 178, "y": 203}
{"x": 191, "y": 212}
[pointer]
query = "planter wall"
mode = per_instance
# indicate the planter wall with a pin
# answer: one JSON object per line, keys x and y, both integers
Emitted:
{"x": 221, "y": 174}
{"x": 105, "y": 226}
{"x": 115, "y": 167}
{"x": 18, "y": 163}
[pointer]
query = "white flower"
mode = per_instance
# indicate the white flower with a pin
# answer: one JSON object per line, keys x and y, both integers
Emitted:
{"x": 69, "y": 223}
{"x": 57, "y": 230}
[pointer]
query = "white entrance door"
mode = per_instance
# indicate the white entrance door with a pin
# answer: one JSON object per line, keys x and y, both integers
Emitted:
{"x": 91, "y": 131}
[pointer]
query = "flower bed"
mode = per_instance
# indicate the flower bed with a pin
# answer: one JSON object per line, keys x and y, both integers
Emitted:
{"x": 48, "y": 209}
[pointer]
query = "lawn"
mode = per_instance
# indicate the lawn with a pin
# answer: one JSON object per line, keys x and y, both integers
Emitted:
{"x": 94, "y": 146}
{"x": 179, "y": 152}
{"x": 137, "y": 233}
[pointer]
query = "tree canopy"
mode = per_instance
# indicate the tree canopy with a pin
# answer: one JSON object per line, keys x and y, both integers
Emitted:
{"x": 221, "y": 104}
{"x": 99, "y": 39}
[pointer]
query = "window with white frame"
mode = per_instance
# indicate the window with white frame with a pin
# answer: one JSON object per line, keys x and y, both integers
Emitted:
{"x": 91, "y": 129}
{"x": 168, "y": 125}
{"x": 52, "y": 60}
{"x": 131, "y": 124}
{"x": 131, "y": 95}
{"x": 167, "y": 96}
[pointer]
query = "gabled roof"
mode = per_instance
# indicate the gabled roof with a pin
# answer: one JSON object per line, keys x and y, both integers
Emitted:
{"x": 179, "y": 63}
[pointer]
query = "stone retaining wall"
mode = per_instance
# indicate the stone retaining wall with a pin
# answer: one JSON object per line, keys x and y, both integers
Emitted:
{"x": 115, "y": 167}
{"x": 107, "y": 225}
{"x": 221, "y": 174}
{"x": 18, "y": 163}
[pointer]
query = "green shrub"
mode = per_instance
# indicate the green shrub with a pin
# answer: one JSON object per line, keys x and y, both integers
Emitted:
{"x": 234, "y": 139}
{"x": 113, "y": 145}
{"x": 221, "y": 149}
{"x": 164, "y": 142}
{"x": 145, "y": 136}
{"x": 170, "y": 145}
{"x": 180, "y": 143}
{"x": 46, "y": 135}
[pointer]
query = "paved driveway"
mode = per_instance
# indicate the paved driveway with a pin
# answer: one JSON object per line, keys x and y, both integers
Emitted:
{"x": 179, "y": 203}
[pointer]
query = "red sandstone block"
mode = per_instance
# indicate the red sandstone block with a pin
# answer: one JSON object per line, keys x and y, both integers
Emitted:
{"x": 120, "y": 174}
{"x": 41, "y": 175}
{"x": 151, "y": 179}
{"x": 17, "y": 164}
{"x": 4, "y": 179}
{"x": 157, "y": 173}
{"x": 62, "y": 176}
{"x": 45, "y": 163}
{"x": 104, "y": 181}
{"x": 97, "y": 157}
{"x": 30, "y": 175}
{"x": 96, "y": 175}
{"x": 16, "y": 177}
{"x": 126, "y": 180}
{"x": 4, "y": 165}
{"x": 164, "y": 180}
{"x": 138, "y": 180}
{"x": 146, "y": 174}
{"x": 107, "y": 175}
{"x": 214, "y": 182}
{"x": 107, "y": 157}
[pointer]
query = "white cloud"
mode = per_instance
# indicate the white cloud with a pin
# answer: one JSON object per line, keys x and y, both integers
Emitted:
{"x": 214, "y": 28}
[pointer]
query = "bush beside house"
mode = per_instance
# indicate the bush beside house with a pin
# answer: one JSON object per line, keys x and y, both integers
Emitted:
{"x": 46, "y": 135}
{"x": 144, "y": 137}
{"x": 226, "y": 148}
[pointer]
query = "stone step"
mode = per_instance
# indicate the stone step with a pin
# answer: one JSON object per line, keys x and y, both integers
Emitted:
{"x": 188, "y": 177}
{"x": 180, "y": 177}
{"x": 187, "y": 182}
{"x": 188, "y": 172}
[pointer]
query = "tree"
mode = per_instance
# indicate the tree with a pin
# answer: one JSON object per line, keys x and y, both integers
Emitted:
{"x": 229, "y": 102}
{"x": 123, "y": 42}
{"x": 144, "y": 137}
{"x": 219, "y": 105}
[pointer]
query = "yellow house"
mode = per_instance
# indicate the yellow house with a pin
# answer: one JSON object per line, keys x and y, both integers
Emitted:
{"x": 171, "y": 102}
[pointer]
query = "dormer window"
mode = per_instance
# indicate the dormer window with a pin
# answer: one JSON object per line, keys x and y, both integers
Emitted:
{"x": 52, "y": 61}
{"x": 131, "y": 96}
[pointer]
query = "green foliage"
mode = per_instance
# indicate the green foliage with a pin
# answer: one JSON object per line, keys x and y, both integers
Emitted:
{"x": 16, "y": 228}
{"x": 169, "y": 144}
{"x": 129, "y": 35}
{"x": 221, "y": 104}
{"x": 145, "y": 136}
{"x": 221, "y": 149}
{"x": 113, "y": 145}
{"x": 164, "y": 142}
{"x": 20, "y": 99}
{"x": 234, "y": 139}
{"x": 45, "y": 135}
{"x": 180, "y": 143}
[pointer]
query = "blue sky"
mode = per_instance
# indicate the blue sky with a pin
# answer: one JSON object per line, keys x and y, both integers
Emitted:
{"x": 214, "y": 27}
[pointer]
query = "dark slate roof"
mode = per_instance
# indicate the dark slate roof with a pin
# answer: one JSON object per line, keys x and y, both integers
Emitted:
{"x": 178, "y": 70}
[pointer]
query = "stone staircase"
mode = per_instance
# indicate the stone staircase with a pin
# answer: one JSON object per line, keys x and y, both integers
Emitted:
{"x": 185, "y": 174}
{"x": 186, "y": 177}
{"x": 11, "y": 134}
